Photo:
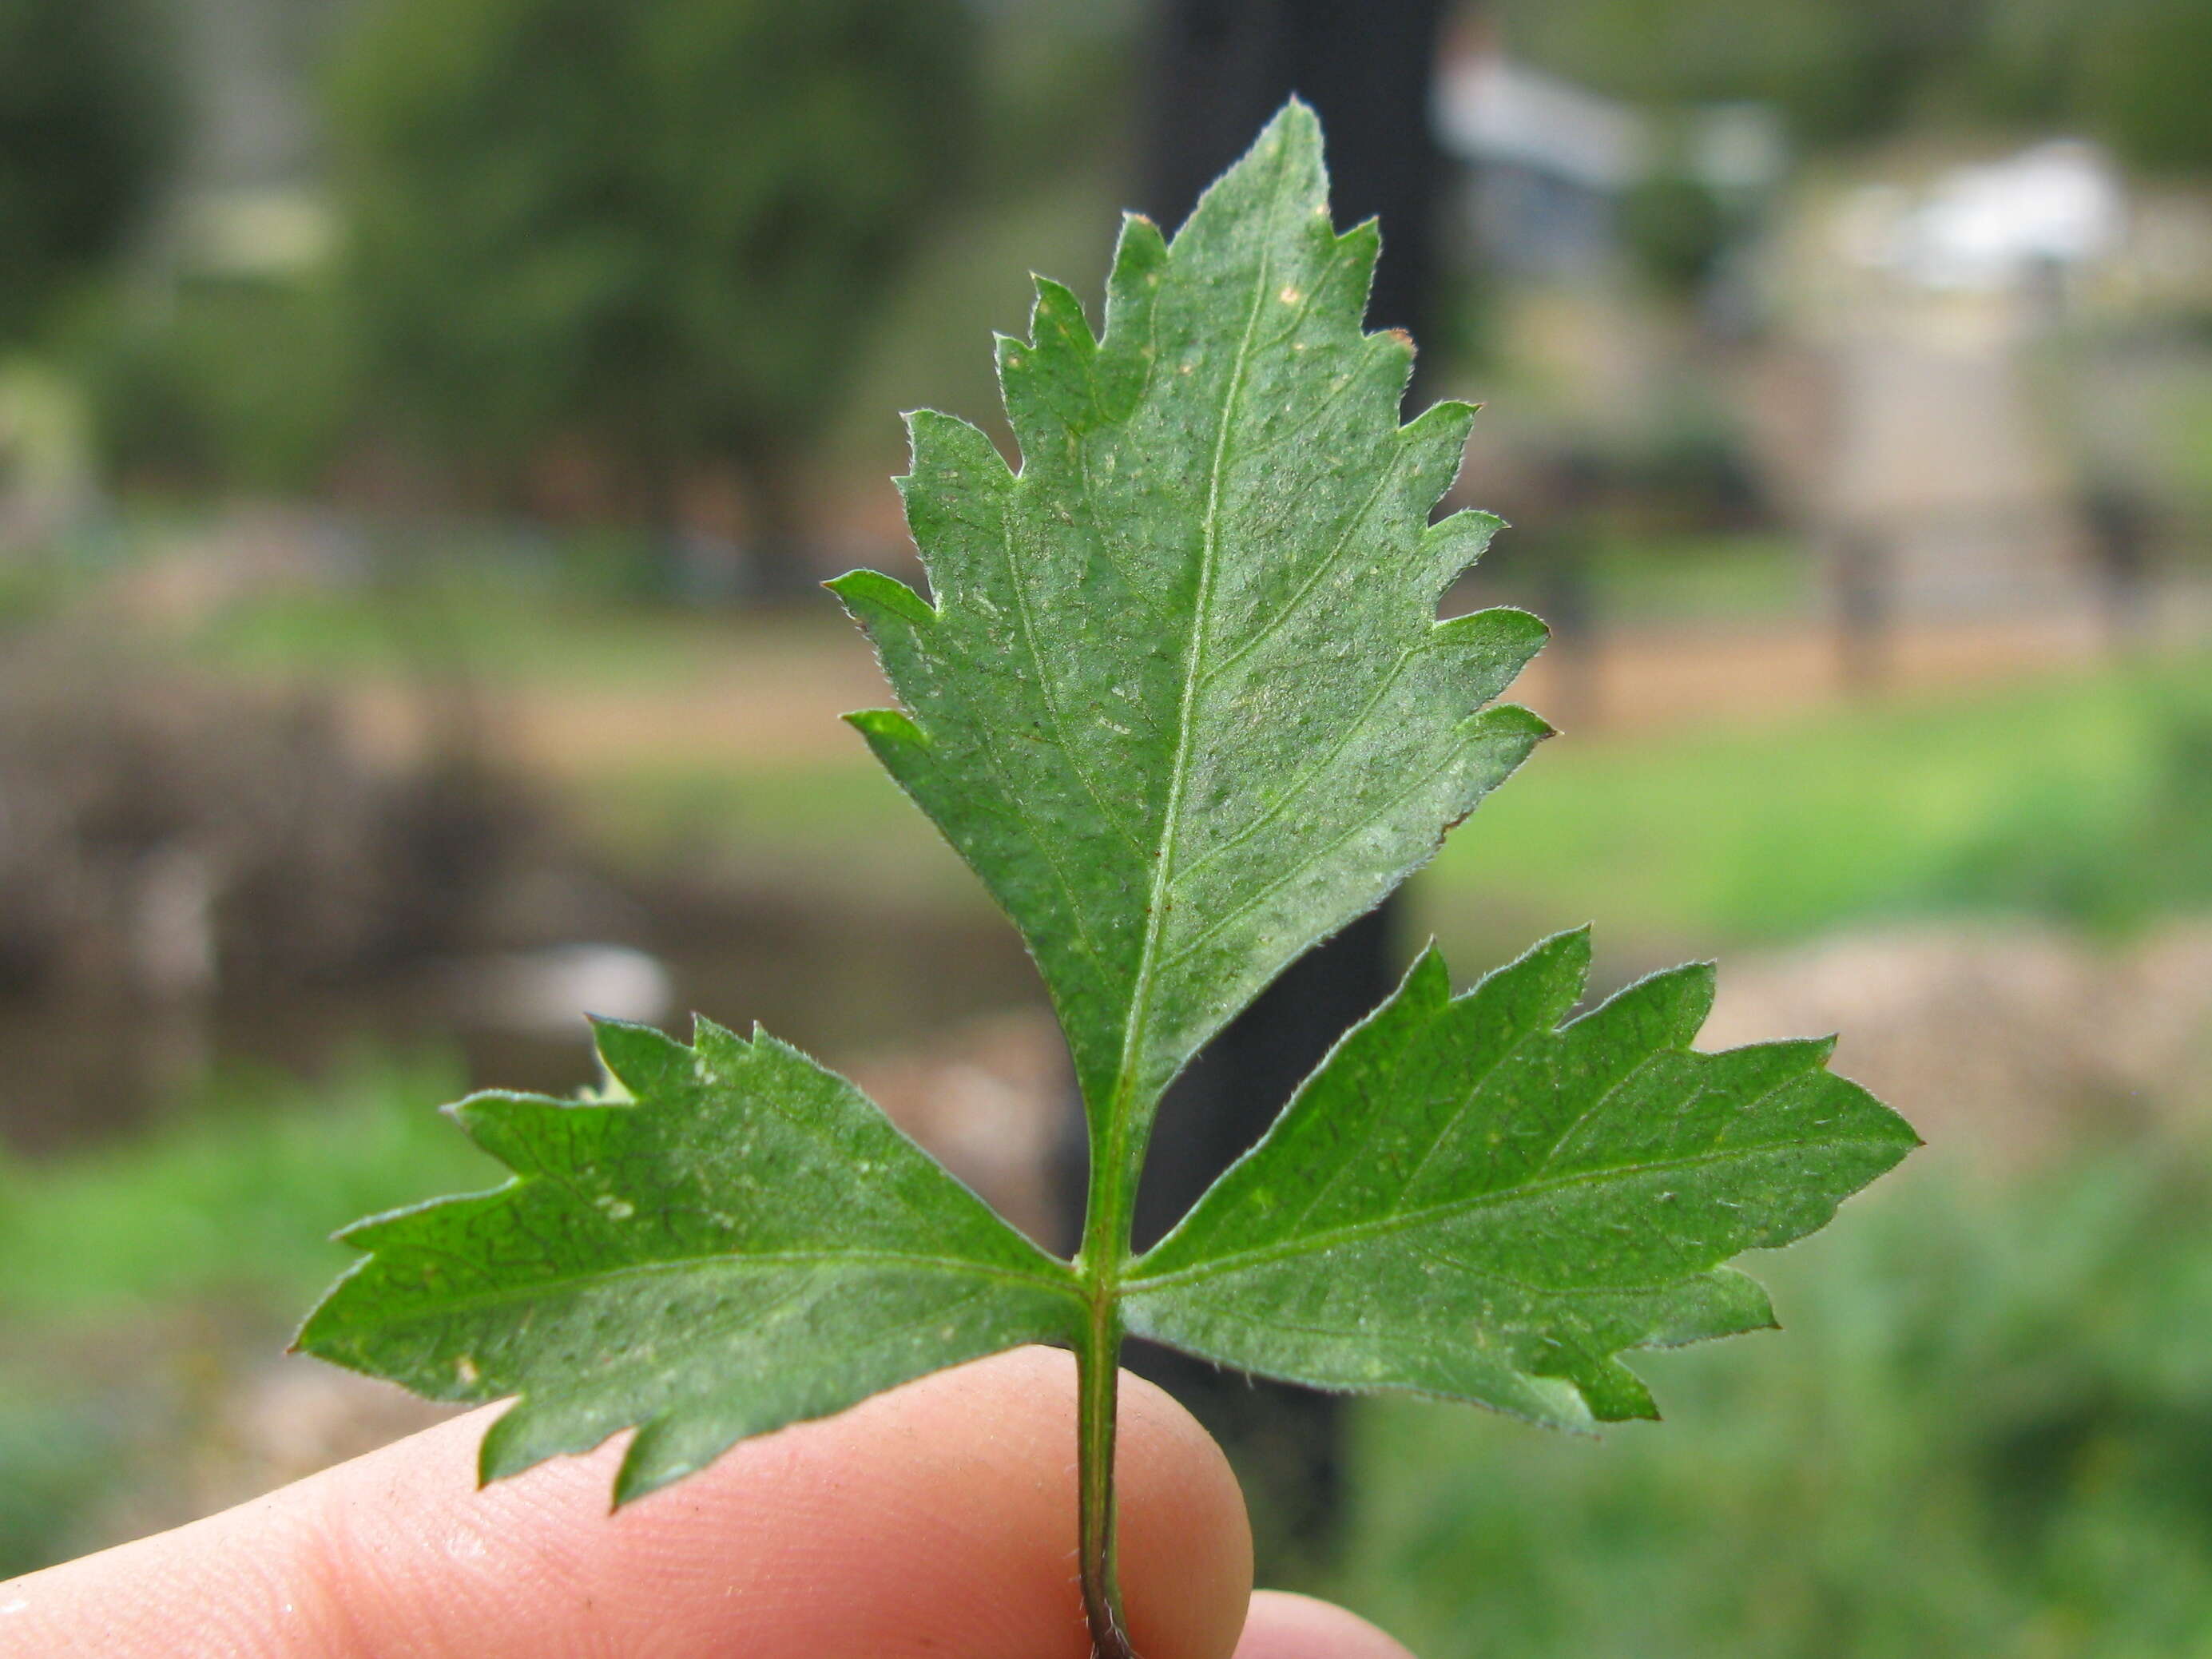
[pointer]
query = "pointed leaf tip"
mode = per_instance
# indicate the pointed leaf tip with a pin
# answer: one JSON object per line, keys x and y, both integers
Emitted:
{"x": 887, "y": 730}
{"x": 869, "y": 595}
{"x": 640, "y": 1057}
{"x": 1295, "y": 121}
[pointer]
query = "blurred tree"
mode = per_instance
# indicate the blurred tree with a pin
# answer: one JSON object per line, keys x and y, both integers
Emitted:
{"x": 658, "y": 232}
{"x": 2144, "y": 81}
{"x": 1675, "y": 228}
{"x": 86, "y": 118}
{"x": 1840, "y": 69}
{"x": 2131, "y": 72}
{"x": 215, "y": 384}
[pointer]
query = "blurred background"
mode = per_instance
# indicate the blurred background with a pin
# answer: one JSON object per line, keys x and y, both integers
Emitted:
{"x": 423, "y": 423}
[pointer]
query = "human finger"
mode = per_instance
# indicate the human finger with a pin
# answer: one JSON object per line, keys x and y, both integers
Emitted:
{"x": 1285, "y": 1626}
{"x": 938, "y": 1518}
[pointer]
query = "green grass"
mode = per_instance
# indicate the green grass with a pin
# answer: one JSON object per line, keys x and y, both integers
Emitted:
{"x": 1704, "y": 579}
{"x": 135, "y": 1278}
{"x": 2085, "y": 798}
{"x": 1987, "y": 1430}
{"x": 62, "y": 1455}
{"x": 486, "y": 625}
{"x": 1700, "y": 578}
{"x": 504, "y": 605}
{"x": 235, "y": 1199}
{"x": 508, "y": 620}
{"x": 1981, "y": 801}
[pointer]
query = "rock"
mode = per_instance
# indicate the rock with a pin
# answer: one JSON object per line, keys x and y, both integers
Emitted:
{"x": 2004, "y": 1038}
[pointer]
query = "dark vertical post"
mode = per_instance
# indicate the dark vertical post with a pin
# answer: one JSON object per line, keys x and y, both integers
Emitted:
{"x": 1219, "y": 69}
{"x": 1864, "y": 623}
{"x": 2119, "y": 526}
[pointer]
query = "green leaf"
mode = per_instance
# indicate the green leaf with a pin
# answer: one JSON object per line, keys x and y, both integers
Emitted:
{"x": 1181, "y": 699}
{"x": 746, "y": 1242}
{"x": 1469, "y": 1198}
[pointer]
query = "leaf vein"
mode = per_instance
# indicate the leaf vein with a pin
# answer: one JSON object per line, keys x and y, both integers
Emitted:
{"x": 1398, "y": 1220}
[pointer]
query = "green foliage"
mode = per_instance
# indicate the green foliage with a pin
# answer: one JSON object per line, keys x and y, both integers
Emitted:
{"x": 660, "y": 228}
{"x": 120, "y": 1265}
{"x": 1179, "y": 698}
{"x": 86, "y": 114}
{"x": 1989, "y": 1417}
{"x": 1988, "y": 1431}
{"x": 2142, "y": 81}
{"x": 1841, "y": 69}
{"x": 216, "y": 1204}
{"x": 2129, "y": 71}
{"x": 1219, "y": 517}
{"x": 245, "y": 385}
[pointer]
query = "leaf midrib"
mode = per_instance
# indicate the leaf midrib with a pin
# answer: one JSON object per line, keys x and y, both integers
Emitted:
{"x": 1500, "y": 1198}
{"x": 1124, "y": 1105}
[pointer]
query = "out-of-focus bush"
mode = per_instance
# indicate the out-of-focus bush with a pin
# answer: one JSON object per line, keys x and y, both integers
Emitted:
{"x": 1841, "y": 69}
{"x": 139, "y": 1282}
{"x": 1675, "y": 228}
{"x": 224, "y": 386}
{"x": 86, "y": 110}
{"x": 1691, "y": 468}
{"x": 58, "y": 1458}
{"x": 2131, "y": 72}
{"x": 645, "y": 240}
{"x": 2143, "y": 69}
{"x": 1986, "y": 1429}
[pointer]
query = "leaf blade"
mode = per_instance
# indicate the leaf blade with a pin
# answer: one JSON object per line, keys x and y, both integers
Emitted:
{"x": 744, "y": 1243}
{"x": 1181, "y": 698}
{"x": 1470, "y": 1198}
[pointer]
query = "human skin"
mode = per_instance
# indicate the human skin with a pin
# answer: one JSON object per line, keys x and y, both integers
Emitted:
{"x": 936, "y": 1520}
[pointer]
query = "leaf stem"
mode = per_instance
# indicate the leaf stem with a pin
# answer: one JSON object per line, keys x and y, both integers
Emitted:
{"x": 1099, "y": 1370}
{"x": 1119, "y": 1135}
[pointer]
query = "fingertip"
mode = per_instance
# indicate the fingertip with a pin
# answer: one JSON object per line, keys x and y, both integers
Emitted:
{"x": 1285, "y": 1626}
{"x": 1186, "y": 1545}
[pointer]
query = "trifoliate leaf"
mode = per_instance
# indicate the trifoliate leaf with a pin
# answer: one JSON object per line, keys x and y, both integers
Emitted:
{"x": 1181, "y": 699}
{"x": 1469, "y": 1198}
{"x": 747, "y": 1243}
